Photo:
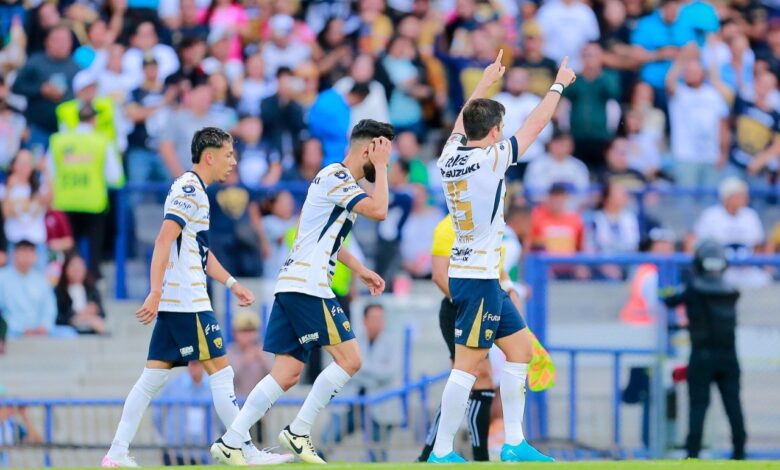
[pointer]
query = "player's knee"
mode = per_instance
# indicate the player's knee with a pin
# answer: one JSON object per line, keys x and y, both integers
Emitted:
{"x": 484, "y": 375}
{"x": 288, "y": 380}
{"x": 351, "y": 364}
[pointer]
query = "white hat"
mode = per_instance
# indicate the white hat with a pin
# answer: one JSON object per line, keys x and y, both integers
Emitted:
{"x": 83, "y": 79}
{"x": 217, "y": 34}
{"x": 731, "y": 186}
{"x": 282, "y": 24}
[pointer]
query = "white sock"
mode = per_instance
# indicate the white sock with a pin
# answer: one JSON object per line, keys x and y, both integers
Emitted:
{"x": 145, "y": 388}
{"x": 259, "y": 401}
{"x": 224, "y": 396}
{"x": 513, "y": 400}
{"x": 325, "y": 387}
{"x": 454, "y": 401}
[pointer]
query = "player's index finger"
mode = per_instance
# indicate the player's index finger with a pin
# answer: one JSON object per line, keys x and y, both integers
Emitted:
{"x": 500, "y": 55}
{"x": 565, "y": 62}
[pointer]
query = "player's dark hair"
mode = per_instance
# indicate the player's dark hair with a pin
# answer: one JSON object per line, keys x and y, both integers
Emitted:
{"x": 368, "y": 129}
{"x": 370, "y": 307}
{"x": 208, "y": 137}
{"x": 480, "y": 115}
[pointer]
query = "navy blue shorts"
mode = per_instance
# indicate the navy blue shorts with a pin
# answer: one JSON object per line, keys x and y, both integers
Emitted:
{"x": 485, "y": 312}
{"x": 301, "y": 322}
{"x": 183, "y": 337}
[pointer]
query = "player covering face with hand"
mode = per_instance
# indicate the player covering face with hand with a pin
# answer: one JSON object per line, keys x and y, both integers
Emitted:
{"x": 473, "y": 163}
{"x": 306, "y": 313}
{"x": 186, "y": 328}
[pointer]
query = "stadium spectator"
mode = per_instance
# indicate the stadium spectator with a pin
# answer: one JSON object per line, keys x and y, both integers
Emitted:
{"x": 94, "y": 52}
{"x": 236, "y": 233}
{"x": 223, "y": 106}
{"x": 184, "y": 425}
{"x": 254, "y": 87}
{"x": 181, "y": 125}
{"x": 590, "y": 96}
{"x": 12, "y": 127}
{"x": 246, "y": 354}
{"x": 699, "y": 146}
{"x": 644, "y": 146}
{"x": 27, "y": 300}
{"x": 417, "y": 234}
{"x": 283, "y": 116}
{"x": 375, "y": 105}
{"x": 26, "y": 197}
{"x": 182, "y": 18}
{"x": 567, "y": 25}
{"x": 405, "y": 84}
{"x": 113, "y": 83}
{"x": 335, "y": 52}
{"x": 613, "y": 228}
{"x": 229, "y": 16}
{"x": 59, "y": 239}
{"x": 556, "y": 166}
{"x": 756, "y": 133}
{"x": 85, "y": 85}
{"x": 146, "y": 41}
{"x": 616, "y": 42}
{"x": 308, "y": 162}
{"x": 329, "y": 119}
{"x": 78, "y": 299}
{"x": 45, "y": 81}
{"x": 519, "y": 102}
{"x": 282, "y": 50}
{"x": 541, "y": 69}
{"x": 738, "y": 228}
{"x": 658, "y": 38}
{"x": 642, "y": 100}
{"x": 84, "y": 163}
{"x": 148, "y": 110}
{"x": 387, "y": 262}
{"x": 619, "y": 166}
{"x": 192, "y": 52}
{"x": 277, "y": 226}
{"x": 555, "y": 229}
{"x": 258, "y": 165}
{"x": 219, "y": 55}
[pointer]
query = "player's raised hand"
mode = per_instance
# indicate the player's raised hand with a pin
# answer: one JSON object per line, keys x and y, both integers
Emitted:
{"x": 245, "y": 296}
{"x": 566, "y": 76}
{"x": 375, "y": 284}
{"x": 148, "y": 311}
{"x": 494, "y": 71}
{"x": 379, "y": 151}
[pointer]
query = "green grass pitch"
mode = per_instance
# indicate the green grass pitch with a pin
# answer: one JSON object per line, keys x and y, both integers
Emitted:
{"x": 593, "y": 465}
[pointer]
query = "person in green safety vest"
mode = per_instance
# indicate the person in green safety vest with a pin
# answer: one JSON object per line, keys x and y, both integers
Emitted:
{"x": 85, "y": 89}
{"x": 84, "y": 163}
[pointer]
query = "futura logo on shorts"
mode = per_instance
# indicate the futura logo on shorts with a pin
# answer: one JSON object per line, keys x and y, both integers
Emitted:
{"x": 490, "y": 317}
{"x": 335, "y": 310}
{"x": 210, "y": 328}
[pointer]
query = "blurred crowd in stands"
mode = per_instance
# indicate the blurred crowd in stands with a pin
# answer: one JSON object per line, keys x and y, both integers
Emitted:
{"x": 99, "y": 94}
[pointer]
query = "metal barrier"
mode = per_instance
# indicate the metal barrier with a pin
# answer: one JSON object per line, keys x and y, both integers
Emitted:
{"x": 537, "y": 272}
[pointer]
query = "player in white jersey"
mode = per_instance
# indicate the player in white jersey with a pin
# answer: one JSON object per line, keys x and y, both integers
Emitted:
{"x": 472, "y": 167}
{"x": 186, "y": 328}
{"x": 306, "y": 313}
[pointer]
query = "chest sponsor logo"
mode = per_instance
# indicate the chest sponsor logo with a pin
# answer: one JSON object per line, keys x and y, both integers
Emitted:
{"x": 186, "y": 351}
{"x": 309, "y": 338}
{"x": 461, "y": 254}
{"x": 184, "y": 205}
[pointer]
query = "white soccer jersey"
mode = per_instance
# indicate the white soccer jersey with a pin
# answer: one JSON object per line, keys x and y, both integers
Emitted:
{"x": 184, "y": 285}
{"x": 326, "y": 219}
{"x": 473, "y": 182}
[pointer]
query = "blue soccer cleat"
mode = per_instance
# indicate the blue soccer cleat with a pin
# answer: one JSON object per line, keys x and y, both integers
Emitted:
{"x": 523, "y": 452}
{"x": 452, "y": 457}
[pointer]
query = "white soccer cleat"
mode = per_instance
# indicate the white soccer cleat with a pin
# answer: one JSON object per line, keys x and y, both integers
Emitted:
{"x": 227, "y": 455}
{"x": 254, "y": 457}
{"x": 300, "y": 446}
{"x": 122, "y": 462}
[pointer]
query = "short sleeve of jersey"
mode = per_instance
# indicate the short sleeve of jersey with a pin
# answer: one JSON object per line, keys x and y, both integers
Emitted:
{"x": 443, "y": 238}
{"x": 503, "y": 154}
{"x": 182, "y": 203}
{"x": 342, "y": 189}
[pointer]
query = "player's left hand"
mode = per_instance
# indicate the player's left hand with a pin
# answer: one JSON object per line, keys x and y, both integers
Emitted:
{"x": 375, "y": 284}
{"x": 245, "y": 296}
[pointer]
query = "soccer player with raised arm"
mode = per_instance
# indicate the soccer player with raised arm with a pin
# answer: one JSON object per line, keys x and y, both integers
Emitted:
{"x": 472, "y": 165}
{"x": 186, "y": 328}
{"x": 306, "y": 313}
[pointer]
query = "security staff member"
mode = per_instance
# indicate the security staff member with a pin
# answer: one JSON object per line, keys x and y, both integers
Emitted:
{"x": 710, "y": 303}
{"x": 84, "y": 164}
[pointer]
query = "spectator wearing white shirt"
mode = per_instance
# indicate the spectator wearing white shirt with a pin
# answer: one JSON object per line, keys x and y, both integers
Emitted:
{"x": 281, "y": 50}
{"x": 375, "y": 105}
{"x": 556, "y": 166}
{"x": 699, "y": 125}
{"x": 736, "y": 226}
{"x": 614, "y": 228}
{"x": 219, "y": 60}
{"x": 143, "y": 41}
{"x": 567, "y": 25}
{"x": 519, "y": 102}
